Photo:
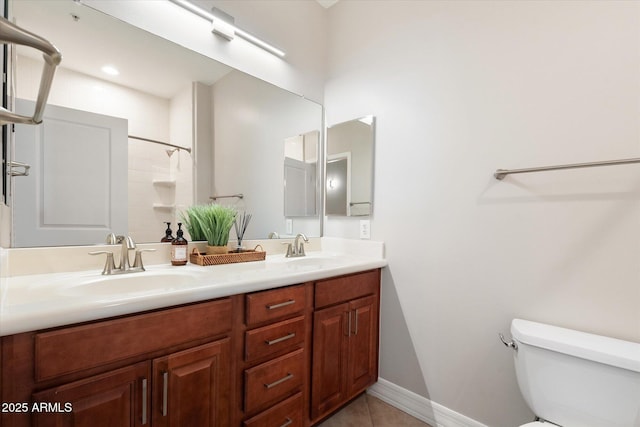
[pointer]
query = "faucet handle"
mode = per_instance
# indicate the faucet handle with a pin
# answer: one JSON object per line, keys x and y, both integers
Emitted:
{"x": 290, "y": 249}
{"x": 109, "y": 264}
{"x": 137, "y": 263}
{"x": 111, "y": 239}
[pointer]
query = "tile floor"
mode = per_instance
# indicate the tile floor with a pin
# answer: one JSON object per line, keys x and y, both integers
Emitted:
{"x": 368, "y": 411}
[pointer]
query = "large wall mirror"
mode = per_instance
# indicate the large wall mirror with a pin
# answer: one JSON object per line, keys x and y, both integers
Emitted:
{"x": 349, "y": 168}
{"x": 224, "y": 130}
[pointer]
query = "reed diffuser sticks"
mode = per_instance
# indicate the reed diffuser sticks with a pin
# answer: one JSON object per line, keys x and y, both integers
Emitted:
{"x": 241, "y": 224}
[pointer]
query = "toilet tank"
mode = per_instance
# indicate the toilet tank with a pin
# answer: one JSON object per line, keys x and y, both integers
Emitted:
{"x": 576, "y": 379}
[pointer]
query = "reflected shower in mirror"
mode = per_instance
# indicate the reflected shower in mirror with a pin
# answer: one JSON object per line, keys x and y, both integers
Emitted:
{"x": 170, "y": 94}
{"x": 349, "y": 168}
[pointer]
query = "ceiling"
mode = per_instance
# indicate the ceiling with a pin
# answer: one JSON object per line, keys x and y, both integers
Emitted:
{"x": 146, "y": 62}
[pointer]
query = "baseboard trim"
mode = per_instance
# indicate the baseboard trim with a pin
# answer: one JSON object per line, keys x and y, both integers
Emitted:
{"x": 420, "y": 407}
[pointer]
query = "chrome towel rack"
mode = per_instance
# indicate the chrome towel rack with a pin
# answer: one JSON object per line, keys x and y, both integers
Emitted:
{"x": 239, "y": 196}
{"x": 11, "y": 33}
{"x": 13, "y": 166}
{"x": 501, "y": 173}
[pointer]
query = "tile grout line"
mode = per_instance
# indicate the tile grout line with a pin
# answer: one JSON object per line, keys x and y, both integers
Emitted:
{"x": 371, "y": 422}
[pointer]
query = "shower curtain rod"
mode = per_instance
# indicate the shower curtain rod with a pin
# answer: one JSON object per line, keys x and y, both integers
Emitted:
{"x": 188, "y": 150}
{"x": 501, "y": 173}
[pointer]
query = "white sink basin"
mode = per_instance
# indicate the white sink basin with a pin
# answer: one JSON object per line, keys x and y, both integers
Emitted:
{"x": 312, "y": 262}
{"x": 131, "y": 283}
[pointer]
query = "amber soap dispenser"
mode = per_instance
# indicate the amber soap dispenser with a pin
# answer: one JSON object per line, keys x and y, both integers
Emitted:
{"x": 179, "y": 247}
{"x": 168, "y": 234}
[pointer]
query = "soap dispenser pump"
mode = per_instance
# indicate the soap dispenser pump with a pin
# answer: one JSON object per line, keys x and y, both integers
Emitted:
{"x": 179, "y": 247}
{"x": 168, "y": 234}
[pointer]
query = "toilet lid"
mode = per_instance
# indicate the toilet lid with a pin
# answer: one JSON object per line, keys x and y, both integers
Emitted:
{"x": 536, "y": 424}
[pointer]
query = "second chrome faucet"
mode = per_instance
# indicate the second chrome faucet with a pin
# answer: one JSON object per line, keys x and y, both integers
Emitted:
{"x": 296, "y": 249}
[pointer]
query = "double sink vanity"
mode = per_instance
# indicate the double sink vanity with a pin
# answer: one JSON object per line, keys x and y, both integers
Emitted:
{"x": 280, "y": 342}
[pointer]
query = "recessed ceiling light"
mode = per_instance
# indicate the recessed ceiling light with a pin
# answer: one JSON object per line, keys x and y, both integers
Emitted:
{"x": 111, "y": 70}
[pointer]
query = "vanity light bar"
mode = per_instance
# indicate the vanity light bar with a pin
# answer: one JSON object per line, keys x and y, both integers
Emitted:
{"x": 266, "y": 46}
{"x": 237, "y": 31}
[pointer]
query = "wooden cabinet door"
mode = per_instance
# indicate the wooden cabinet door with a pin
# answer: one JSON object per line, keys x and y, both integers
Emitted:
{"x": 330, "y": 358}
{"x": 115, "y": 399}
{"x": 192, "y": 387}
{"x": 363, "y": 345}
{"x": 345, "y": 353}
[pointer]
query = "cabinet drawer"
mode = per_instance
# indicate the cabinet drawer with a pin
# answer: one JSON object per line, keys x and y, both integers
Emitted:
{"x": 287, "y": 413}
{"x": 346, "y": 288}
{"x": 274, "y": 338}
{"x": 275, "y": 304}
{"x": 273, "y": 380}
{"x": 73, "y": 349}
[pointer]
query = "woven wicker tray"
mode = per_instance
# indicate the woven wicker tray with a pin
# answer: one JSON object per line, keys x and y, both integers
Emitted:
{"x": 229, "y": 258}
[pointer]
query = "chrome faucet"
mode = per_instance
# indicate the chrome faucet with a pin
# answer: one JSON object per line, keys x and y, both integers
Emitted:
{"x": 127, "y": 245}
{"x": 125, "y": 266}
{"x": 296, "y": 249}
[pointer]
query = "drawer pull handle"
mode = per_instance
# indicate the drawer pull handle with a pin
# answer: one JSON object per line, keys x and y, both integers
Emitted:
{"x": 287, "y": 423}
{"x": 280, "y": 381}
{"x": 356, "y": 321}
{"x": 144, "y": 401}
{"x": 348, "y": 324}
{"x": 279, "y": 305}
{"x": 277, "y": 340}
{"x": 165, "y": 391}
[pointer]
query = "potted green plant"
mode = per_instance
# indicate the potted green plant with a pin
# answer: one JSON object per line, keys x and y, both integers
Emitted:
{"x": 211, "y": 223}
{"x": 191, "y": 223}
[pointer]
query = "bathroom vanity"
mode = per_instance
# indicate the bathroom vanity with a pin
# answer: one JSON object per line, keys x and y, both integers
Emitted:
{"x": 283, "y": 355}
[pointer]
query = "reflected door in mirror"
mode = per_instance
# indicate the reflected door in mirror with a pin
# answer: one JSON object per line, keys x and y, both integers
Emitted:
{"x": 337, "y": 186}
{"x": 76, "y": 192}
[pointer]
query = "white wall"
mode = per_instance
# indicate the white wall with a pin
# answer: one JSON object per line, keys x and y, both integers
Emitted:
{"x": 460, "y": 88}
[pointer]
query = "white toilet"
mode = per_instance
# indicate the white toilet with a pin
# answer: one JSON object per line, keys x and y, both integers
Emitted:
{"x": 575, "y": 379}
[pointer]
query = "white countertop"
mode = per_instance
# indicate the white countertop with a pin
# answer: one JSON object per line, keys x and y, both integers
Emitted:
{"x": 39, "y": 301}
